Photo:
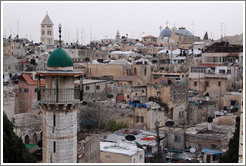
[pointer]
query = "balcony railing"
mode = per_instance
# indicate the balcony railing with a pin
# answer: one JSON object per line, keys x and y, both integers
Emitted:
{"x": 59, "y": 95}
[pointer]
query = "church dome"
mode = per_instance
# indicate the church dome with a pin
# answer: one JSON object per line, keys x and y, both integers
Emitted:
{"x": 183, "y": 31}
{"x": 167, "y": 32}
{"x": 60, "y": 58}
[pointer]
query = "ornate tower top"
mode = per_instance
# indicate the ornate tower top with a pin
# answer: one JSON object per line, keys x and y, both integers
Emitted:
{"x": 60, "y": 41}
{"x": 47, "y": 20}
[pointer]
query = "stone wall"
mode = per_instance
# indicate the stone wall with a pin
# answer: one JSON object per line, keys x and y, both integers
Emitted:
{"x": 10, "y": 100}
{"x": 60, "y": 136}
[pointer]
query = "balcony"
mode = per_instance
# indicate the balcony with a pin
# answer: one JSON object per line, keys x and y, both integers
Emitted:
{"x": 59, "y": 96}
{"x": 212, "y": 75}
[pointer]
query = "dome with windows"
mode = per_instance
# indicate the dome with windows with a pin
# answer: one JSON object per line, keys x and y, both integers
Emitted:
{"x": 183, "y": 31}
{"x": 167, "y": 32}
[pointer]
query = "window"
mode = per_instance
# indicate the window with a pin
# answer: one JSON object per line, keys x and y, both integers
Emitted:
{"x": 142, "y": 119}
{"x": 54, "y": 120}
{"x": 206, "y": 83}
{"x": 228, "y": 71}
{"x": 137, "y": 119}
{"x": 140, "y": 156}
{"x": 135, "y": 71}
{"x": 145, "y": 71}
{"x": 42, "y": 32}
{"x": 195, "y": 83}
{"x": 128, "y": 96}
{"x": 87, "y": 87}
{"x": 54, "y": 146}
{"x": 222, "y": 71}
{"x": 177, "y": 138}
{"x": 43, "y": 90}
{"x": 35, "y": 90}
{"x": 98, "y": 87}
{"x": 219, "y": 83}
{"x": 25, "y": 90}
{"x": 19, "y": 89}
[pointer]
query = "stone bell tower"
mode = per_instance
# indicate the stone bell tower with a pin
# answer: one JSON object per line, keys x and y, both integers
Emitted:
{"x": 47, "y": 36}
{"x": 59, "y": 100}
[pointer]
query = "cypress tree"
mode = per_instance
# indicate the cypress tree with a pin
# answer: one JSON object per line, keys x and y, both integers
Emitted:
{"x": 231, "y": 155}
{"x": 14, "y": 151}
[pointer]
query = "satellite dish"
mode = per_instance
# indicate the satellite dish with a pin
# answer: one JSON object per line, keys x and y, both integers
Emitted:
{"x": 192, "y": 150}
{"x": 84, "y": 103}
{"x": 130, "y": 137}
{"x": 110, "y": 96}
{"x": 169, "y": 123}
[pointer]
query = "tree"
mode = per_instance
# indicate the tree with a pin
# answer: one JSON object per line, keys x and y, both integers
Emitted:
{"x": 231, "y": 155}
{"x": 13, "y": 147}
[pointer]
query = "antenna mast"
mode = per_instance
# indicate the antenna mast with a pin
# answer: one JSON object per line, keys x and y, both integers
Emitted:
{"x": 221, "y": 32}
{"x": 17, "y": 28}
{"x": 91, "y": 33}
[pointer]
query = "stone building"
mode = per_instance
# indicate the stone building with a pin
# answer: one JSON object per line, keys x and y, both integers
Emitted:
{"x": 27, "y": 90}
{"x": 173, "y": 94}
{"x": 147, "y": 116}
{"x": 10, "y": 100}
{"x": 59, "y": 108}
{"x": 122, "y": 152}
{"x": 93, "y": 89}
{"x": 28, "y": 126}
{"x": 176, "y": 38}
{"x": 88, "y": 148}
{"x": 111, "y": 70}
{"x": 149, "y": 40}
{"x": 132, "y": 88}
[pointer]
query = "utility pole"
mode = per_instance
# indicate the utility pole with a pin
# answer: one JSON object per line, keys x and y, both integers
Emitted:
{"x": 158, "y": 140}
{"x": 240, "y": 152}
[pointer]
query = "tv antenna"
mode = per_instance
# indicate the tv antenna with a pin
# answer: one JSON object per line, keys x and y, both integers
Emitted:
{"x": 221, "y": 24}
{"x": 18, "y": 24}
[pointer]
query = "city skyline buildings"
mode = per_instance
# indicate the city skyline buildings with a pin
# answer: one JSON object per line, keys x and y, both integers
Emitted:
{"x": 86, "y": 21}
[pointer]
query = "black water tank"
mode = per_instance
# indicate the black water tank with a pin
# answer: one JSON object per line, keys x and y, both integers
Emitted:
{"x": 210, "y": 119}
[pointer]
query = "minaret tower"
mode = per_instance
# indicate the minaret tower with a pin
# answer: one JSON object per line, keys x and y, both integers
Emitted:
{"x": 47, "y": 36}
{"x": 117, "y": 35}
{"x": 59, "y": 101}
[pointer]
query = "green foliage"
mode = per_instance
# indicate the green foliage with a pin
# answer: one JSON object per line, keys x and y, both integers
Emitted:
{"x": 14, "y": 150}
{"x": 112, "y": 125}
{"x": 231, "y": 155}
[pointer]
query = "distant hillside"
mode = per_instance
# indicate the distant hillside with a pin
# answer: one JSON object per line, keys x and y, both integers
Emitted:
{"x": 236, "y": 39}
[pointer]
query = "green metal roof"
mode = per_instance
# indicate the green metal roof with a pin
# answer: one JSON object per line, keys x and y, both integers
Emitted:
{"x": 59, "y": 58}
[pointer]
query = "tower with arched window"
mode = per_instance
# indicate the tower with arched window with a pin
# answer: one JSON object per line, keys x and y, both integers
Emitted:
{"x": 47, "y": 36}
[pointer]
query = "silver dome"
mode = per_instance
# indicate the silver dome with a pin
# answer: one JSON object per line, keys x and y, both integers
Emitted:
{"x": 183, "y": 31}
{"x": 167, "y": 32}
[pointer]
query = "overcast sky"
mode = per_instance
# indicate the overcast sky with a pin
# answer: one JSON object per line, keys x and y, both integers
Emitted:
{"x": 86, "y": 21}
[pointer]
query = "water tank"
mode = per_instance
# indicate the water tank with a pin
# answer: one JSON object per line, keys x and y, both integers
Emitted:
{"x": 130, "y": 102}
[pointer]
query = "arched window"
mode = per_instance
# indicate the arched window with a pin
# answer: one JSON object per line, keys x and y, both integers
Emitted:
{"x": 145, "y": 71}
{"x": 35, "y": 138}
{"x": 27, "y": 139}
